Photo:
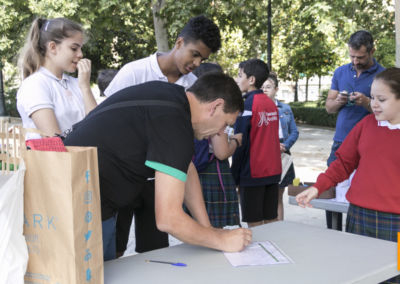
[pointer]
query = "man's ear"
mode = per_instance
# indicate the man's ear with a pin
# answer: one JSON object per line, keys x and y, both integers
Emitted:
{"x": 216, "y": 104}
{"x": 179, "y": 42}
{"x": 252, "y": 80}
{"x": 372, "y": 51}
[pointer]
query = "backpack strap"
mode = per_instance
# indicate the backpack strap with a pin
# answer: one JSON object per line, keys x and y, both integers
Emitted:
{"x": 125, "y": 104}
{"x": 132, "y": 103}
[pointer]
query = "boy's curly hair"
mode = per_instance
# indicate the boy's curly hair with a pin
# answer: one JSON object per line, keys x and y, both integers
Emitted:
{"x": 202, "y": 28}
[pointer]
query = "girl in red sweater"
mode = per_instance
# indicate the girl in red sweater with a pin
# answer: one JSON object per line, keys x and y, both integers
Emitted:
{"x": 371, "y": 148}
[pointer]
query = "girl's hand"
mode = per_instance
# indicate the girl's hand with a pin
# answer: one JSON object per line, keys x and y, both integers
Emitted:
{"x": 84, "y": 68}
{"x": 304, "y": 198}
{"x": 239, "y": 137}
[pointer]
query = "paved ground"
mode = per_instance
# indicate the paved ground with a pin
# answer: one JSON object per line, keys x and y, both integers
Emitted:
{"x": 309, "y": 155}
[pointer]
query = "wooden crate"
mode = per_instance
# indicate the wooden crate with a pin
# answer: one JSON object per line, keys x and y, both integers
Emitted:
{"x": 11, "y": 140}
{"x": 294, "y": 190}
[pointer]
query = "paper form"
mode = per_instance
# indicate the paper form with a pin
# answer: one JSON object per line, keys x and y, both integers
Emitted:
{"x": 258, "y": 253}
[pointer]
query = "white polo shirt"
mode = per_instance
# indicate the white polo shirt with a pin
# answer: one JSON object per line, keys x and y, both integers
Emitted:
{"x": 43, "y": 90}
{"x": 141, "y": 71}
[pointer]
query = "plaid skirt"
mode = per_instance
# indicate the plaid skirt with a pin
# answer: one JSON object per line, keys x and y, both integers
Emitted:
{"x": 222, "y": 207}
{"x": 372, "y": 223}
{"x": 376, "y": 224}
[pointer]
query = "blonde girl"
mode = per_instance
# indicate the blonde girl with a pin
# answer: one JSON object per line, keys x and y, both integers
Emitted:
{"x": 48, "y": 99}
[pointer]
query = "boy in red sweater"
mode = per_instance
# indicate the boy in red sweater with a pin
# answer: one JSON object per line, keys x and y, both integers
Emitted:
{"x": 256, "y": 165}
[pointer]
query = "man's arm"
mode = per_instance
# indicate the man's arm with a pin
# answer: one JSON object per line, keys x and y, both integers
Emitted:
{"x": 170, "y": 218}
{"x": 334, "y": 101}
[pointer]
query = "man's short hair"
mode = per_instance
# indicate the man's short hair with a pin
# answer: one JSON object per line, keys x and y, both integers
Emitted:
{"x": 241, "y": 64}
{"x": 202, "y": 28}
{"x": 257, "y": 68}
{"x": 214, "y": 85}
{"x": 104, "y": 78}
{"x": 207, "y": 67}
{"x": 361, "y": 38}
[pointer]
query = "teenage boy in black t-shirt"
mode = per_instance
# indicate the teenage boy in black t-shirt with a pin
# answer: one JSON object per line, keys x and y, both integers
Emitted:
{"x": 150, "y": 133}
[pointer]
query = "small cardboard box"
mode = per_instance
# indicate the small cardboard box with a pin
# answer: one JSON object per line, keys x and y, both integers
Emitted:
{"x": 294, "y": 190}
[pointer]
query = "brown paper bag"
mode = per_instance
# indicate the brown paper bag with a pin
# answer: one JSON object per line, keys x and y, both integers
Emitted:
{"x": 62, "y": 222}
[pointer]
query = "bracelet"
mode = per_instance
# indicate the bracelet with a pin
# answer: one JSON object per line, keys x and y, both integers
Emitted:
{"x": 237, "y": 141}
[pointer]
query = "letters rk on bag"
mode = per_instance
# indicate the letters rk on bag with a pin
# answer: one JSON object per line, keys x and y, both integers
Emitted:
{"x": 62, "y": 223}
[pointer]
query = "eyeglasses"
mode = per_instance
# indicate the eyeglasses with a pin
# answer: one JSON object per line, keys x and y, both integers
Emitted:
{"x": 268, "y": 87}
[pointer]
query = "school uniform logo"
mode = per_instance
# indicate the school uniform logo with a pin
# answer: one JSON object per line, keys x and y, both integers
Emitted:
{"x": 266, "y": 117}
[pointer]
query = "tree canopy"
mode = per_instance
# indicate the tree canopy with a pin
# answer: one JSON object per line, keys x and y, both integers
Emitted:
{"x": 309, "y": 37}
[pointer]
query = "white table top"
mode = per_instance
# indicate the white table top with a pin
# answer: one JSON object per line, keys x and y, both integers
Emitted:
{"x": 326, "y": 204}
{"x": 319, "y": 255}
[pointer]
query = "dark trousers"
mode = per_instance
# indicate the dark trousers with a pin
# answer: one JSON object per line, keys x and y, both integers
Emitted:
{"x": 148, "y": 237}
{"x": 328, "y": 214}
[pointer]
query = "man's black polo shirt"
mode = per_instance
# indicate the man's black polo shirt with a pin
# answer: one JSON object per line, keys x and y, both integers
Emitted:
{"x": 134, "y": 141}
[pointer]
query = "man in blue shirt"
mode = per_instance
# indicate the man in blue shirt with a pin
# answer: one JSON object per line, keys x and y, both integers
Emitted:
{"x": 350, "y": 93}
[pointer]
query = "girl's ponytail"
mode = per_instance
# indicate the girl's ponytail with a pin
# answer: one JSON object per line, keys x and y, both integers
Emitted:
{"x": 41, "y": 32}
{"x": 32, "y": 55}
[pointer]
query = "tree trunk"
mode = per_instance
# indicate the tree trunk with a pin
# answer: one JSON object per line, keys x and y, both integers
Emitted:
{"x": 159, "y": 26}
{"x": 397, "y": 24}
{"x": 296, "y": 95}
{"x": 2, "y": 102}
{"x": 319, "y": 86}
{"x": 307, "y": 88}
{"x": 269, "y": 40}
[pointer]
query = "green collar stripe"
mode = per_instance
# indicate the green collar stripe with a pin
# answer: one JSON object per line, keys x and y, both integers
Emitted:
{"x": 167, "y": 170}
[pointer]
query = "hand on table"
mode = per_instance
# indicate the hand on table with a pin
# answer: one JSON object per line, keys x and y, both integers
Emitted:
{"x": 304, "y": 198}
{"x": 236, "y": 240}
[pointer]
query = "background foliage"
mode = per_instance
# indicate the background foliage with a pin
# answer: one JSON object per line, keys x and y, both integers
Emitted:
{"x": 309, "y": 36}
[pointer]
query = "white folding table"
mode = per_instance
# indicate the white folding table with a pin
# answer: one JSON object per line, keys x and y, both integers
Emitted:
{"x": 319, "y": 255}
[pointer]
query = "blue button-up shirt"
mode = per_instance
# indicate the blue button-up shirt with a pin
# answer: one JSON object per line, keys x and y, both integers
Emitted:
{"x": 345, "y": 79}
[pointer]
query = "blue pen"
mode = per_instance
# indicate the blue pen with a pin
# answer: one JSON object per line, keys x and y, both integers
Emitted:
{"x": 167, "y": 262}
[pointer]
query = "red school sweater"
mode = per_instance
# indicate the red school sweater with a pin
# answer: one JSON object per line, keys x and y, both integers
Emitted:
{"x": 375, "y": 152}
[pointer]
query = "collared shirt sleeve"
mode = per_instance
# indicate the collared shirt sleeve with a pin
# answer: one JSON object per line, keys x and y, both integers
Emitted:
{"x": 34, "y": 94}
{"x": 335, "y": 83}
{"x": 124, "y": 78}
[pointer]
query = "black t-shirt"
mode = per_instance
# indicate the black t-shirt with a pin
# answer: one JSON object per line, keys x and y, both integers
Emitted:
{"x": 134, "y": 141}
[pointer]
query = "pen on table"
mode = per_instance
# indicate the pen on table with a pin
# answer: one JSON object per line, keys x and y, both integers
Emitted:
{"x": 238, "y": 220}
{"x": 167, "y": 262}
